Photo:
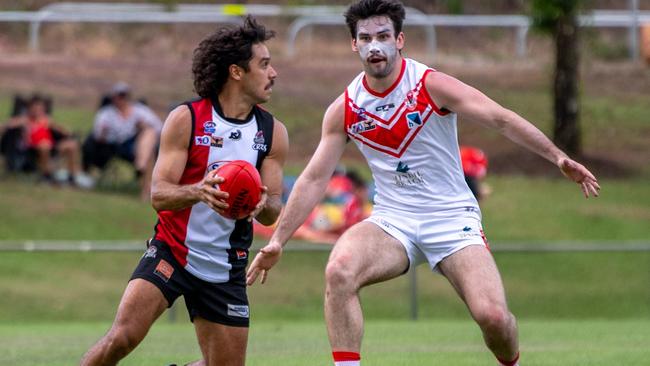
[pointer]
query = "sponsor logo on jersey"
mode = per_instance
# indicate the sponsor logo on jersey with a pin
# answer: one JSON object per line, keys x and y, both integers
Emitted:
{"x": 385, "y": 107}
{"x": 409, "y": 179}
{"x": 202, "y": 140}
{"x": 240, "y": 311}
{"x": 241, "y": 254}
{"x": 209, "y": 127}
{"x": 259, "y": 137}
{"x": 164, "y": 270}
{"x": 467, "y": 228}
{"x": 150, "y": 252}
{"x": 259, "y": 142}
{"x": 413, "y": 119}
{"x": 216, "y": 141}
{"x": 363, "y": 126}
{"x": 235, "y": 135}
{"x": 402, "y": 168}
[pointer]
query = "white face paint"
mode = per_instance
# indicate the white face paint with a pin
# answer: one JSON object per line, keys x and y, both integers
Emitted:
{"x": 377, "y": 46}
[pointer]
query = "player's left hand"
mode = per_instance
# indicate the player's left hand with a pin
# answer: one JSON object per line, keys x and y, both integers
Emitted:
{"x": 581, "y": 175}
{"x": 260, "y": 204}
{"x": 264, "y": 260}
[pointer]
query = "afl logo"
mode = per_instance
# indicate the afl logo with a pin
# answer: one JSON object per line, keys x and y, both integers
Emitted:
{"x": 209, "y": 127}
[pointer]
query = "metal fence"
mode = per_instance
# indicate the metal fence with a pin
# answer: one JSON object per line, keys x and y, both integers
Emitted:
{"x": 305, "y": 17}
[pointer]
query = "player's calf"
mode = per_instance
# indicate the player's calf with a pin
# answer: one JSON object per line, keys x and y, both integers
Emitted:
{"x": 499, "y": 329}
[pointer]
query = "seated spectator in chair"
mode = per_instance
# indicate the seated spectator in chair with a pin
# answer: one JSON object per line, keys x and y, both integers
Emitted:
{"x": 125, "y": 129}
{"x": 12, "y": 142}
{"x": 42, "y": 139}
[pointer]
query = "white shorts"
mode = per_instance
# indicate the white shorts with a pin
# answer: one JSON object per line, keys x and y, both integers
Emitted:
{"x": 429, "y": 238}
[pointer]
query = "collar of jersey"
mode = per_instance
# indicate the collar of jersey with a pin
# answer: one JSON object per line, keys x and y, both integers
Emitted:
{"x": 237, "y": 121}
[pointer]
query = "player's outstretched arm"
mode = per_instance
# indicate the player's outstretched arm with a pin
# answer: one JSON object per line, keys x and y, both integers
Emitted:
{"x": 166, "y": 193}
{"x": 307, "y": 191}
{"x": 268, "y": 210}
{"x": 471, "y": 104}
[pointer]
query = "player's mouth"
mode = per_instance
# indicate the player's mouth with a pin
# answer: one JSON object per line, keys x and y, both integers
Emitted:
{"x": 376, "y": 59}
{"x": 269, "y": 86}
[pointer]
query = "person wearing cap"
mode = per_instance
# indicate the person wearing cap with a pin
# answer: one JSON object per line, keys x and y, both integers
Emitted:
{"x": 125, "y": 129}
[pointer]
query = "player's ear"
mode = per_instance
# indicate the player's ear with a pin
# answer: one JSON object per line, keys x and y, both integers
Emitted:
{"x": 353, "y": 43}
{"x": 235, "y": 72}
{"x": 400, "y": 41}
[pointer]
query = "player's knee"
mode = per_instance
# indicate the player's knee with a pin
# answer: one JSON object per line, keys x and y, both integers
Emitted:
{"x": 120, "y": 342}
{"x": 492, "y": 316}
{"x": 339, "y": 273}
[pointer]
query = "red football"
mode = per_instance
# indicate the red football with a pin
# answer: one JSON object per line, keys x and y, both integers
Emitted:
{"x": 243, "y": 184}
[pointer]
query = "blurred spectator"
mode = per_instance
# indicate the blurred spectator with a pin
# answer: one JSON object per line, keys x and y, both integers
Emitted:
{"x": 345, "y": 203}
{"x": 31, "y": 140}
{"x": 475, "y": 163}
{"x": 12, "y": 144}
{"x": 125, "y": 129}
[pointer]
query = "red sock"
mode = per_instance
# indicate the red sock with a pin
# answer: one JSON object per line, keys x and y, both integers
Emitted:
{"x": 346, "y": 356}
{"x": 509, "y": 363}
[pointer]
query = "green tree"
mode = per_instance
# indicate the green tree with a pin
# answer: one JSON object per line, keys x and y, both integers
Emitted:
{"x": 560, "y": 19}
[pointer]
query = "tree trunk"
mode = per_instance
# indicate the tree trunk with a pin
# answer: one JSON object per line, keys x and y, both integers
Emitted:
{"x": 566, "y": 133}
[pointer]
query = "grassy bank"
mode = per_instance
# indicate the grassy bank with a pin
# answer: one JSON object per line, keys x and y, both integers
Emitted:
{"x": 77, "y": 286}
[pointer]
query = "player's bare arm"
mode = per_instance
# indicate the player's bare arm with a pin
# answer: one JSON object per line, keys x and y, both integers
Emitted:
{"x": 166, "y": 193}
{"x": 268, "y": 210}
{"x": 471, "y": 104}
{"x": 307, "y": 191}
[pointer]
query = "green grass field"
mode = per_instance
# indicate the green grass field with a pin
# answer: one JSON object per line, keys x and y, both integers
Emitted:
{"x": 73, "y": 286}
{"x": 389, "y": 343}
{"x": 575, "y": 308}
{"x": 520, "y": 209}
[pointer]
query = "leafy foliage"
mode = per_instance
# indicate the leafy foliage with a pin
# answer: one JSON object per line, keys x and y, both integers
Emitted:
{"x": 545, "y": 14}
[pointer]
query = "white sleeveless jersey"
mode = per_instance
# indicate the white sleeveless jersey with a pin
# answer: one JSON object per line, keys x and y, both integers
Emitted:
{"x": 410, "y": 144}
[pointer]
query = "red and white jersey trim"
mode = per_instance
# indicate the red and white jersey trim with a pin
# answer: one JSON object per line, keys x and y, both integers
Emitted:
{"x": 409, "y": 142}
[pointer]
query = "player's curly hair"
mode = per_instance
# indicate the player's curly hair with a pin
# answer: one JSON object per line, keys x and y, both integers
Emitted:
{"x": 225, "y": 47}
{"x": 365, "y": 9}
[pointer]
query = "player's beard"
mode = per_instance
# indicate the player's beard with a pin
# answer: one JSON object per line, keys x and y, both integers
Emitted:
{"x": 376, "y": 49}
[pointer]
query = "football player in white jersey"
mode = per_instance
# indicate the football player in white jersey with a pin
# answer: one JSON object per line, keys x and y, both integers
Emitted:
{"x": 402, "y": 116}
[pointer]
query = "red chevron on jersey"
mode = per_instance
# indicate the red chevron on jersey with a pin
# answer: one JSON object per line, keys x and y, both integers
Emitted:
{"x": 394, "y": 135}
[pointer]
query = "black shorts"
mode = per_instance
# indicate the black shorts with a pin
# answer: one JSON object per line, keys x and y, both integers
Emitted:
{"x": 96, "y": 153}
{"x": 223, "y": 303}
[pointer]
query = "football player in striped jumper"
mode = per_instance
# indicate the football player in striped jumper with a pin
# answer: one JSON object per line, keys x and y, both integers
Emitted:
{"x": 196, "y": 252}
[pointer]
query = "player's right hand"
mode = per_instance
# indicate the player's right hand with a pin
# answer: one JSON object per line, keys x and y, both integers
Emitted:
{"x": 210, "y": 194}
{"x": 264, "y": 260}
{"x": 581, "y": 175}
